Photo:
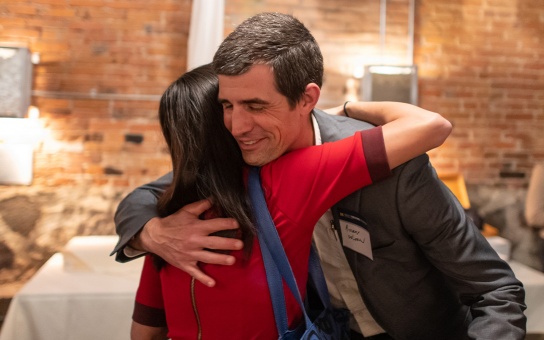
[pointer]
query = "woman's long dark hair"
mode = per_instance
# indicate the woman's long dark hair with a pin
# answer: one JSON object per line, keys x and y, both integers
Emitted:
{"x": 206, "y": 160}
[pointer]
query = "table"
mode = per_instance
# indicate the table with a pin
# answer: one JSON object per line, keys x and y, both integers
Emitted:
{"x": 80, "y": 293}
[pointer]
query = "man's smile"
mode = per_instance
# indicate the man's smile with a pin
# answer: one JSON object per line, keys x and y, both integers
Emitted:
{"x": 249, "y": 144}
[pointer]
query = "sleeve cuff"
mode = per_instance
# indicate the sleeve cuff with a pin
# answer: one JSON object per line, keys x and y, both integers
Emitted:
{"x": 149, "y": 316}
{"x": 132, "y": 253}
{"x": 375, "y": 155}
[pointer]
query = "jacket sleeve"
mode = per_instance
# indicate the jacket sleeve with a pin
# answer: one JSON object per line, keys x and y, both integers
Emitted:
{"x": 452, "y": 243}
{"x": 134, "y": 211}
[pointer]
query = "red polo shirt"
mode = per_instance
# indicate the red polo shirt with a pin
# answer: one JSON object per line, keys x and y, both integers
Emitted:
{"x": 299, "y": 187}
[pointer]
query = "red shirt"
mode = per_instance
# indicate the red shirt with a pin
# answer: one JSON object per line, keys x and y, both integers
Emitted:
{"x": 299, "y": 187}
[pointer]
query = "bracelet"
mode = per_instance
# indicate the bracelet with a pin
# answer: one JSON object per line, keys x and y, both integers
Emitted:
{"x": 345, "y": 110}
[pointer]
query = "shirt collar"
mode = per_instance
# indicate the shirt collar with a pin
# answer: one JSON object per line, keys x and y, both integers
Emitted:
{"x": 317, "y": 132}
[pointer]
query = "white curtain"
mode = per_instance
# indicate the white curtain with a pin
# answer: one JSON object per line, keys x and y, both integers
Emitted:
{"x": 205, "y": 31}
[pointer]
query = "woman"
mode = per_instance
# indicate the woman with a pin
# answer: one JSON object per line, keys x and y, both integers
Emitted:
{"x": 207, "y": 163}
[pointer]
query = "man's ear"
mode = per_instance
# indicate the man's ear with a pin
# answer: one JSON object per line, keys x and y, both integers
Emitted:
{"x": 311, "y": 96}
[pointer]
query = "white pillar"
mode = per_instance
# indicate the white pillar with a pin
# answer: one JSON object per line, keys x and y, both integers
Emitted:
{"x": 205, "y": 31}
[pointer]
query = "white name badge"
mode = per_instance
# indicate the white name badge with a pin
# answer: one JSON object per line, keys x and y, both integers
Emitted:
{"x": 356, "y": 238}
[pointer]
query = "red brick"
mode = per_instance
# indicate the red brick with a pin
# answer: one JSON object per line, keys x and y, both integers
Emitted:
{"x": 479, "y": 64}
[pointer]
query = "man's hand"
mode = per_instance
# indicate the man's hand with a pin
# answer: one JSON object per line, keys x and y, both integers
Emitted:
{"x": 180, "y": 240}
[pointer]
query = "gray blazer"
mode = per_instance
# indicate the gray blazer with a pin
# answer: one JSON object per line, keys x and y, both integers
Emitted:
{"x": 433, "y": 275}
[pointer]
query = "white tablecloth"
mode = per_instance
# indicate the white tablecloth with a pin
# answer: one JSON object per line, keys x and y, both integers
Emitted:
{"x": 80, "y": 299}
{"x": 84, "y": 294}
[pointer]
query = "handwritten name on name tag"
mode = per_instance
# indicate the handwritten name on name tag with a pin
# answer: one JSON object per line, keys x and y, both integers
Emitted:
{"x": 356, "y": 238}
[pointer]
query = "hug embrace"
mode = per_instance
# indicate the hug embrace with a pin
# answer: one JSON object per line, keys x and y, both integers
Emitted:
{"x": 424, "y": 270}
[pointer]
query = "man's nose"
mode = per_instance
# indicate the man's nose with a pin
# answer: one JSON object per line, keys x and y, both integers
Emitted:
{"x": 241, "y": 121}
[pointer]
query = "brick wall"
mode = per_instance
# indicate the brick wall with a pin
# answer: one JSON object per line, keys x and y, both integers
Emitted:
{"x": 482, "y": 67}
{"x": 104, "y": 65}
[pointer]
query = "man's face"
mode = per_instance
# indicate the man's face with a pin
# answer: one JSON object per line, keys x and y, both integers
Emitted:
{"x": 259, "y": 117}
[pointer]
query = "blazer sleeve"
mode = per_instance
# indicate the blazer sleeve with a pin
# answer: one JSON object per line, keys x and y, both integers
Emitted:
{"x": 437, "y": 222}
{"x": 134, "y": 211}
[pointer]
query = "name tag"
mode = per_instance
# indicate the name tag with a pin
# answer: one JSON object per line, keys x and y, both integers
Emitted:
{"x": 354, "y": 234}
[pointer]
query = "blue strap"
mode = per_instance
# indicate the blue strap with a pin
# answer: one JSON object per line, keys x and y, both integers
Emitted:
{"x": 316, "y": 275}
{"x": 276, "y": 262}
{"x": 275, "y": 286}
{"x": 273, "y": 273}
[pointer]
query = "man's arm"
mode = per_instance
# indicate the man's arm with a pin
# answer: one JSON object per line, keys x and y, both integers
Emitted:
{"x": 449, "y": 239}
{"x": 135, "y": 211}
{"x": 180, "y": 239}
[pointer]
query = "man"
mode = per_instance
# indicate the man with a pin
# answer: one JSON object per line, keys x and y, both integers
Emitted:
{"x": 424, "y": 270}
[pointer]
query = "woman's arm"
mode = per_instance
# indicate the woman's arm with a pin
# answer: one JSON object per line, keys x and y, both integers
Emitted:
{"x": 142, "y": 332}
{"x": 408, "y": 130}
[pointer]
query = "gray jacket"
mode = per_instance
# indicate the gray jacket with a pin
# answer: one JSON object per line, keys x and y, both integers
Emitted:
{"x": 433, "y": 275}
